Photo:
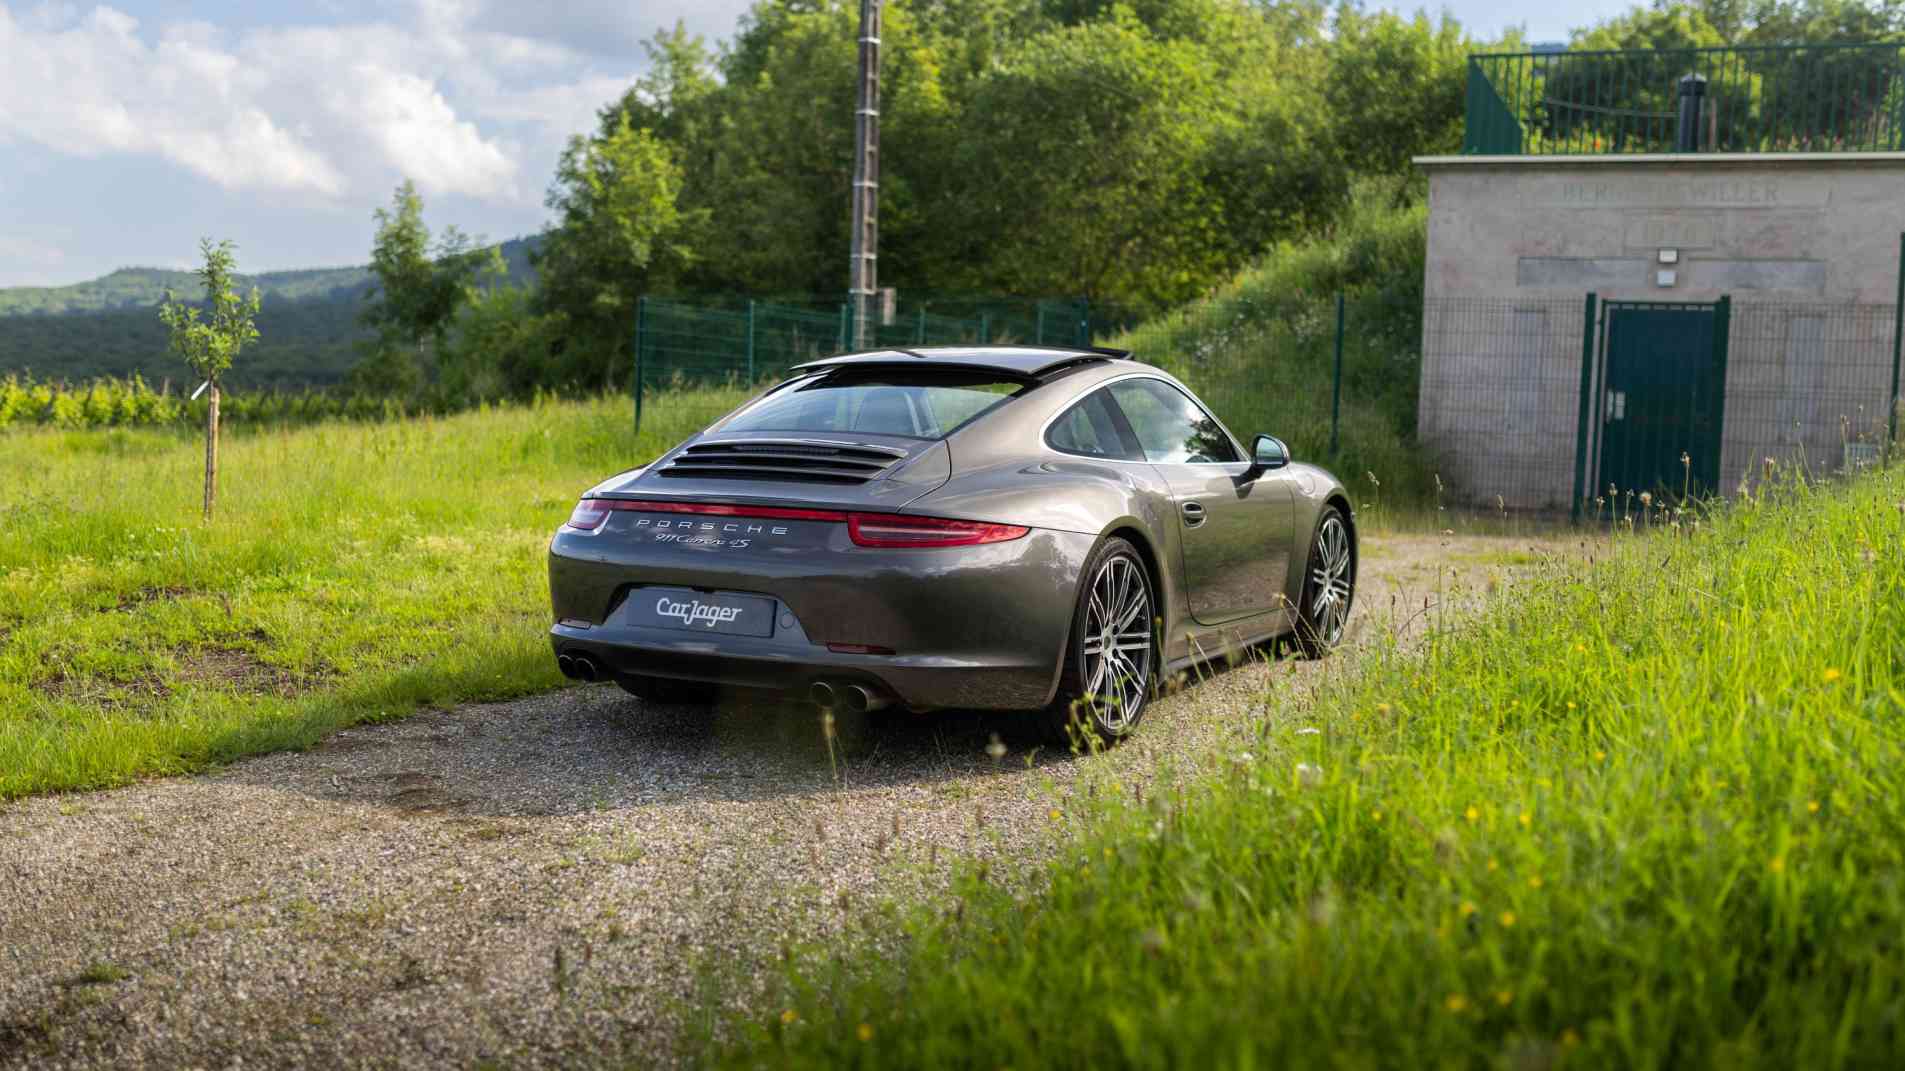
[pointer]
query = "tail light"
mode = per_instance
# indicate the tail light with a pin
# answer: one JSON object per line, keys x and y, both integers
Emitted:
{"x": 590, "y": 513}
{"x": 899, "y": 530}
{"x": 865, "y": 529}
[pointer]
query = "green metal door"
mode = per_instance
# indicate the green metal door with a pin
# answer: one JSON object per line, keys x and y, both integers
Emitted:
{"x": 1662, "y": 396}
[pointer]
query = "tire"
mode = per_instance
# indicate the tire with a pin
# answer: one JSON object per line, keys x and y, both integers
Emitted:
{"x": 1329, "y": 586}
{"x": 666, "y": 690}
{"x": 1080, "y": 716}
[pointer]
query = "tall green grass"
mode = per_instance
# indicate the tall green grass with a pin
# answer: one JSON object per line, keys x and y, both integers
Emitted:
{"x": 1646, "y": 813}
{"x": 354, "y": 572}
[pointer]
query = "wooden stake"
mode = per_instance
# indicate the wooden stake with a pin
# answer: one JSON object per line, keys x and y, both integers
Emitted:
{"x": 211, "y": 453}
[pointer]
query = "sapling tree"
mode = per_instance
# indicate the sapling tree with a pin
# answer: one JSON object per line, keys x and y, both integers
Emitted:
{"x": 211, "y": 342}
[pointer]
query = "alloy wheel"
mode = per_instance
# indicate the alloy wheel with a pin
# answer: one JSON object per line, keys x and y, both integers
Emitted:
{"x": 1117, "y": 643}
{"x": 1330, "y": 581}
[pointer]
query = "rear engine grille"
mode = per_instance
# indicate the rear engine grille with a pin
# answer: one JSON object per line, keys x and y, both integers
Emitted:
{"x": 799, "y": 461}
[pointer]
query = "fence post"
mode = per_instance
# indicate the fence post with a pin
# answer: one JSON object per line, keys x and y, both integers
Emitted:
{"x": 1039, "y": 331}
{"x": 1587, "y": 386}
{"x": 919, "y": 331}
{"x": 1898, "y": 328}
{"x": 641, "y": 321}
{"x": 1336, "y": 392}
{"x": 750, "y": 343}
{"x": 985, "y": 328}
{"x": 846, "y": 325}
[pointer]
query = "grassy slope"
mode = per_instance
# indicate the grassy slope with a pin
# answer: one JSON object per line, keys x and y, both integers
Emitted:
{"x": 354, "y": 572}
{"x": 1261, "y": 349}
{"x": 1645, "y": 814}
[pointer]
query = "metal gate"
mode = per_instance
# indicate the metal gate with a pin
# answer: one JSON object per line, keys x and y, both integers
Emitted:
{"x": 1661, "y": 400}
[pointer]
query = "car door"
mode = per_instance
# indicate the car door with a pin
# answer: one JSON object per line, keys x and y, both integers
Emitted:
{"x": 1234, "y": 520}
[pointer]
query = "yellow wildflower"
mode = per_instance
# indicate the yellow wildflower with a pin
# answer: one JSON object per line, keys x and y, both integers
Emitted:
{"x": 1508, "y": 919}
{"x": 1527, "y": 819}
{"x": 1467, "y": 909}
{"x": 1472, "y": 813}
{"x": 1534, "y": 881}
{"x": 1456, "y": 1003}
{"x": 1778, "y": 864}
{"x": 866, "y": 1032}
{"x": 1812, "y": 807}
{"x": 1503, "y": 997}
{"x": 1832, "y": 675}
{"x": 790, "y": 1017}
{"x": 1493, "y": 866}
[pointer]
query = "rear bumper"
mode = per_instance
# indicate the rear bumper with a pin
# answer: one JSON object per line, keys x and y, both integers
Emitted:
{"x": 974, "y": 627}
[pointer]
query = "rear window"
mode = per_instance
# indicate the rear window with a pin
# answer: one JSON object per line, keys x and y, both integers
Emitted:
{"x": 917, "y": 404}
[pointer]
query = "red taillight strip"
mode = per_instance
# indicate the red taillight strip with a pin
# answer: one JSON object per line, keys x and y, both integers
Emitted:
{"x": 900, "y": 530}
{"x": 865, "y": 529}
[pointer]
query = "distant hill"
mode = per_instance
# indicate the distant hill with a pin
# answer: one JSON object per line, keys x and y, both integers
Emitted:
{"x": 146, "y": 287}
{"x": 109, "y": 326}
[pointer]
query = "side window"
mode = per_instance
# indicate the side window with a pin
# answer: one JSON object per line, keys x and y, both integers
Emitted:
{"x": 1090, "y": 429}
{"x": 1172, "y": 429}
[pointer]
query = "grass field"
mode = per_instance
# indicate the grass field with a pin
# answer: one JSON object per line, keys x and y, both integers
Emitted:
{"x": 1643, "y": 814}
{"x": 354, "y": 572}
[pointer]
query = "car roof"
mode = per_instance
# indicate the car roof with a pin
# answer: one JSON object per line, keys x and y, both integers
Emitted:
{"x": 1032, "y": 361}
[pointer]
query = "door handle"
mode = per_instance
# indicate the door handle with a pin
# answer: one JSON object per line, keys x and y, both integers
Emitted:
{"x": 1193, "y": 514}
{"x": 1616, "y": 408}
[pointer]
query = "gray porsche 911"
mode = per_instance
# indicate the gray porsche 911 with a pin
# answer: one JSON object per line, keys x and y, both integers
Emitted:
{"x": 990, "y": 527}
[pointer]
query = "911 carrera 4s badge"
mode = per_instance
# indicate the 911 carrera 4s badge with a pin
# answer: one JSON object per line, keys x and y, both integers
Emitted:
{"x": 700, "y": 611}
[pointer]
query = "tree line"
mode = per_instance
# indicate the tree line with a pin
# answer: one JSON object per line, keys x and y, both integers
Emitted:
{"x": 1134, "y": 153}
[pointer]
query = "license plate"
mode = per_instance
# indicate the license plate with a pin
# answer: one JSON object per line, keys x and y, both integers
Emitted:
{"x": 700, "y": 611}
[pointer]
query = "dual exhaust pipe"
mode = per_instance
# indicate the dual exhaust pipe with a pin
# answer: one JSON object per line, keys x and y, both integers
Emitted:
{"x": 856, "y": 698}
{"x": 578, "y": 667}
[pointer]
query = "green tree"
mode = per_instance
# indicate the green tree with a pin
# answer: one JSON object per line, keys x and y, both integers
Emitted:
{"x": 617, "y": 234}
{"x": 1084, "y": 158}
{"x": 209, "y": 344}
{"x": 1395, "y": 88}
{"x": 419, "y": 287}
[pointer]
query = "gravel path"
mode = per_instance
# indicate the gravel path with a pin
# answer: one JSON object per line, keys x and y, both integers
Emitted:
{"x": 543, "y": 881}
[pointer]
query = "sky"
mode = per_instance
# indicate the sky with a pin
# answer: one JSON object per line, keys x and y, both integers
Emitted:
{"x": 129, "y": 130}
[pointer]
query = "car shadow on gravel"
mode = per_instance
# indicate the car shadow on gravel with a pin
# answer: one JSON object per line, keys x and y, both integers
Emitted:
{"x": 595, "y": 748}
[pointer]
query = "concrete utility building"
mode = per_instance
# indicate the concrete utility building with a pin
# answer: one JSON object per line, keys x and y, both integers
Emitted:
{"x": 1652, "y": 270}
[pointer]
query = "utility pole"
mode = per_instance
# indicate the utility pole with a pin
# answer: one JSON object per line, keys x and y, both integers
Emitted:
{"x": 863, "y": 277}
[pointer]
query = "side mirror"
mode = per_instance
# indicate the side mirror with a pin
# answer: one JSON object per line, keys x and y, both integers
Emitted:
{"x": 1268, "y": 452}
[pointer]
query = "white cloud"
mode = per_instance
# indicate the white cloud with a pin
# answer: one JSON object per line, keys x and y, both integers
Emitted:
{"x": 421, "y": 136}
{"x": 91, "y": 86}
{"x": 332, "y": 112}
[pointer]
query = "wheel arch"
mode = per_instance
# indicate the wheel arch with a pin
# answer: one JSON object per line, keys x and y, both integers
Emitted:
{"x": 1340, "y": 500}
{"x": 1131, "y": 531}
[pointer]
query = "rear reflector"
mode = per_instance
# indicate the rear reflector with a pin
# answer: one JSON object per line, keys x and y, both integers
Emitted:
{"x": 858, "y": 648}
{"x": 865, "y": 529}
